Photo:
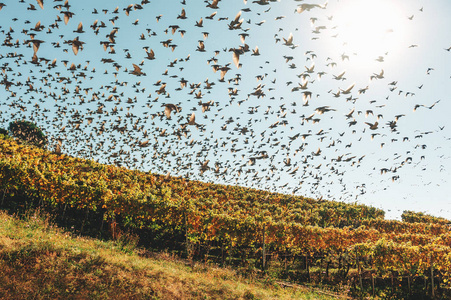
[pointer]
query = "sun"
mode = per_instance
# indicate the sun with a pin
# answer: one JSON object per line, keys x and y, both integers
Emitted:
{"x": 368, "y": 29}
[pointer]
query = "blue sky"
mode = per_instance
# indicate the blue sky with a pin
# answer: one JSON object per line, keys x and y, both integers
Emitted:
{"x": 250, "y": 136}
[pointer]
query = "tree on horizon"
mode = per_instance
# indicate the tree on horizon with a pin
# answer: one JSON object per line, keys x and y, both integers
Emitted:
{"x": 28, "y": 132}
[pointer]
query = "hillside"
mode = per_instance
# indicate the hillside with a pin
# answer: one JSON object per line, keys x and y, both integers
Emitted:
{"x": 59, "y": 178}
{"x": 344, "y": 246}
{"x": 41, "y": 261}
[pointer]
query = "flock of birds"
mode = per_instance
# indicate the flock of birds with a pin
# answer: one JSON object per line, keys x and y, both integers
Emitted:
{"x": 198, "y": 92}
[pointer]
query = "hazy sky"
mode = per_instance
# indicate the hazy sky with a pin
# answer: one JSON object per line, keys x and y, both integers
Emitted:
{"x": 362, "y": 62}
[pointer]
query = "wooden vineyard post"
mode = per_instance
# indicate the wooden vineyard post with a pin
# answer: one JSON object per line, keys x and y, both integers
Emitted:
{"x": 372, "y": 283}
{"x": 264, "y": 250}
{"x": 85, "y": 219}
{"x": 101, "y": 224}
{"x": 408, "y": 283}
{"x": 3, "y": 198}
{"x": 327, "y": 269}
{"x": 360, "y": 274}
{"x": 285, "y": 264}
{"x": 432, "y": 276}
{"x": 222, "y": 253}
{"x": 308, "y": 267}
{"x": 64, "y": 210}
{"x": 113, "y": 225}
{"x": 186, "y": 237}
{"x": 186, "y": 233}
{"x": 320, "y": 266}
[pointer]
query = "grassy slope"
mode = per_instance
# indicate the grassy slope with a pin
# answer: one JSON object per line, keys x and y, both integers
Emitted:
{"x": 40, "y": 261}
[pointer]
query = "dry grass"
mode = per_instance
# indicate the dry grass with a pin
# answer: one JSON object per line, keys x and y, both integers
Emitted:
{"x": 39, "y": 261}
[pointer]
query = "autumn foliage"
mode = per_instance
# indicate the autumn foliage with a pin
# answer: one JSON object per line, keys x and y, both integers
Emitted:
{"x": 234, "y": 217}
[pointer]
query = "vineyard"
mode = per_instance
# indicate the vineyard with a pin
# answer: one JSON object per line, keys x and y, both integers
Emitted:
{"x": 300, "y": 239}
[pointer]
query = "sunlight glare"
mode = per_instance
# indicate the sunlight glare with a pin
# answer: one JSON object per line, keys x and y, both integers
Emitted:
{"x": 369, "y": 28}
